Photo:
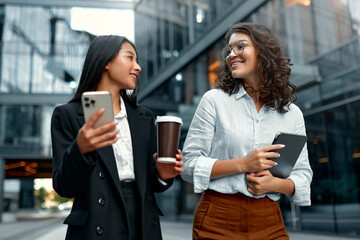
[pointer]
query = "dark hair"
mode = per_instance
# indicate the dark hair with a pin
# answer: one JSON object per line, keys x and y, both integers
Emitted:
{"x": 101, "y": 51}
{"x": 276, "y": 91}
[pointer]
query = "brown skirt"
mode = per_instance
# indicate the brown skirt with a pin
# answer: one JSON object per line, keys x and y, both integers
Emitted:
{"x": 236, "y": 216}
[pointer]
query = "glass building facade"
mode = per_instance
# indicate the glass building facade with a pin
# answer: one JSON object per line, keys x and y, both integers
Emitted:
{"x": 40, "y": 62}
{"x": 322, "y": 38}
{"x": 40, "y": 56}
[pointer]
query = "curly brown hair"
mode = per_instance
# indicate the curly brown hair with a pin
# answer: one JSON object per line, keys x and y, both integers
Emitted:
{"x": 276, "y": 91}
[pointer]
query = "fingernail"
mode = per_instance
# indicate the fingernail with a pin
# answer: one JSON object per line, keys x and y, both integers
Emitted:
{"x": 282, "y": 145}
{"x": 275, "y": 163}
{"x": 102, "y": 109}
{"x": 252, "y": 174}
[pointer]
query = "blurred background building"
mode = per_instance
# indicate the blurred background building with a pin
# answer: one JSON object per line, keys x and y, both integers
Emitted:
{"x": 179, "y": 44}
{"x": 40, "y": 60}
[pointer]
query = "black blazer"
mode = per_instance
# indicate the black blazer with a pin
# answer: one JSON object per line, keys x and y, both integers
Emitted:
{"x": 92, "y": 180}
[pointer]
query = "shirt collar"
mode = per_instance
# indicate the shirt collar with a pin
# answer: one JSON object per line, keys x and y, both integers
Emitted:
{"x": 241, "y": 93}
{"x": 122, "y": 112}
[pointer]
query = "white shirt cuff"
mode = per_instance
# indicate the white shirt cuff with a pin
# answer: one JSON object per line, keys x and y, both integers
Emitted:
{"x": 202, "y": 173}
{"x": 301, "y": 196}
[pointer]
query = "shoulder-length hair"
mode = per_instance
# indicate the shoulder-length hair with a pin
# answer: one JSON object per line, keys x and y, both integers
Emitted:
{"x": 273, "y": 69}
{"x": 102, "y": 50}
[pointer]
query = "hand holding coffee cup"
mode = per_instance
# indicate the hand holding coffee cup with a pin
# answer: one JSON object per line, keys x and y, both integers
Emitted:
{"x": 168, "y": 136}
{"x": 169, "y": 170}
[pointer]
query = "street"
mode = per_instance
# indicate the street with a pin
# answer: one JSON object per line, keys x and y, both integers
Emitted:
{"x": 45, "y": 229}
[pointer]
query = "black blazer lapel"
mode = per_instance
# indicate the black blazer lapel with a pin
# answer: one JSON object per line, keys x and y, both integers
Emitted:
{"x": 106, "y": 155}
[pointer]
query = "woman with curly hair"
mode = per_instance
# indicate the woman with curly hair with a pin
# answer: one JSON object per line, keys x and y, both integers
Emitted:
{"x": 228, "y": 148}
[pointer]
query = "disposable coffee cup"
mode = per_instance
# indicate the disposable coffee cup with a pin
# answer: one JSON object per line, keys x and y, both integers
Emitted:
{"x": 168, "y": 136}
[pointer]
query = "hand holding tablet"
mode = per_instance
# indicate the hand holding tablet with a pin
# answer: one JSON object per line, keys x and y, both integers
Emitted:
{"x": 294, "y": 143}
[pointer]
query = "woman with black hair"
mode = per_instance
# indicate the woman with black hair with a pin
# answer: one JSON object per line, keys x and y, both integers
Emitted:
{"x": 110, "y": 171}
{"x": 228, "y": 147}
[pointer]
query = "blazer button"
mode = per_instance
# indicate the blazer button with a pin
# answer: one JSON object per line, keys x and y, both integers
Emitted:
{"x": 101, "y": 175}
{"x": 154, "y": 222}
{"x": 99, "y": 231}
{"x": 101, "y": 201}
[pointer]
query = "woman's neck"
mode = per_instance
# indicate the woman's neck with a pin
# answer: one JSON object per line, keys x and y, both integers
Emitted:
{"x": 252, "y": 89}
{"x": 115, "y": 96}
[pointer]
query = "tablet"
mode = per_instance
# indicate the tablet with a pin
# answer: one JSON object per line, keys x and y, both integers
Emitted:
{"x": 294, "y": 143}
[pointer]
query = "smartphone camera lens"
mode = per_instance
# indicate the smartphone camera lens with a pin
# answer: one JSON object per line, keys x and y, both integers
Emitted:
{"x": 86, "y": 99}
{"x": 87, "y": 105}
{"x": 92, "y": 102}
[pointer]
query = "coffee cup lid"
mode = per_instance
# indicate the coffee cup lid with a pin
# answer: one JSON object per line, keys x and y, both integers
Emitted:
{"x": 168, "y": 119}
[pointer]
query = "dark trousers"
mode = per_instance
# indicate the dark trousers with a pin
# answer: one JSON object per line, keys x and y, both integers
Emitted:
{"x": 132, "y": 201}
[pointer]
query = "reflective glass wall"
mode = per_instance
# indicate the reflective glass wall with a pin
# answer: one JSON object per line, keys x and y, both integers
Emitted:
{"x": 323, "y": 41}
{"x": 40, "y": 58}
{"x": 40, "y": 55}
{"x": 164, "y": 29}
{"x": 40, "y": 52}
{"x": 334, "y": 143}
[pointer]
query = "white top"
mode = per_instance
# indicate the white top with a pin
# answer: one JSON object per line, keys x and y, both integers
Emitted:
{"x": 123, "y": 146}
{"x": 227, "y": 127}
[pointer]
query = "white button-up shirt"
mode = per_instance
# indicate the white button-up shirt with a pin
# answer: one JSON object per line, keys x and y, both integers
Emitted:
{"x": 123, "y": 146}
{"x": 227, "y": 127}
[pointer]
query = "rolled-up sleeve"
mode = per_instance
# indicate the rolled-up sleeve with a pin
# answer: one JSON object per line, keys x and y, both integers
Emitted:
{"x": 302, "y": 174}
{"x": 198, "y": 144}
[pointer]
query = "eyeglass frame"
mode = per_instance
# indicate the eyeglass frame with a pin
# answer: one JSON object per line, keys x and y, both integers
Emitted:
{"x": 233, "y": 48}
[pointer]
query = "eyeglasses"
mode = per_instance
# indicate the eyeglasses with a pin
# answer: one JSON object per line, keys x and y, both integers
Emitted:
{"x": 238, "y": 48}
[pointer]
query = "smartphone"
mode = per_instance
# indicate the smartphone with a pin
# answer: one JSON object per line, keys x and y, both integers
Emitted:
{"x": 93, "y": 101}
{"x": 294, "y": 143}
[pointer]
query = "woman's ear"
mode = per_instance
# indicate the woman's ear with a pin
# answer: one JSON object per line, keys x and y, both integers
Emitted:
{"x": 107, "y": 66}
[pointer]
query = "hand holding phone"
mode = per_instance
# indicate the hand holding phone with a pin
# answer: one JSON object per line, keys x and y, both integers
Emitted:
{"x": 99, "y": 130}
{"x": 93, "y": 101}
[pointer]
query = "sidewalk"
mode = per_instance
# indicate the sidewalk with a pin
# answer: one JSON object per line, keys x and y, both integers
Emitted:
{"x": 171, "y": 229}
{"x": 32, "y": 214}
{"x": 182, "y": 231}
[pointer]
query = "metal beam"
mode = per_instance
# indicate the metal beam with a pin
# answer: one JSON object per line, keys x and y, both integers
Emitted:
{"x": 23, "y": 151}
{"x": 122, "y": 4}
{"x": 331, "y": 106}
{"x": 34, "y": 98}
{"x": 305, "y": 75}
{"x": 199, "y": 46}
{"x": 190, "y": 21}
